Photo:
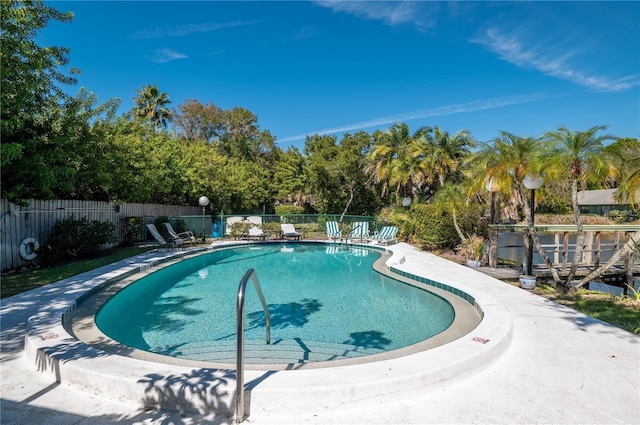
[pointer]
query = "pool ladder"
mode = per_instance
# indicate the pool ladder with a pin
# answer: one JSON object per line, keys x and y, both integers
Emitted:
{"x": 250, "y": 274}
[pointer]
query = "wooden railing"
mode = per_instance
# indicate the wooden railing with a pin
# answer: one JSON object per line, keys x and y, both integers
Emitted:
{"x": 561, "y": 251}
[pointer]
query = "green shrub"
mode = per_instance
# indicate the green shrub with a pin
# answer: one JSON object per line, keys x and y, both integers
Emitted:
{"x": 623, "y": 216}
{"x": 433, "y": 230}
{"x": 289, "y": 209}
{"x": 271, "y": 226}
{"x": 75, "y": 238}
{"x": 240, "y": 229}
{"x": 132, "y": 230}
{"x": 570, "y": 219}
{"x": 471, "y": 249}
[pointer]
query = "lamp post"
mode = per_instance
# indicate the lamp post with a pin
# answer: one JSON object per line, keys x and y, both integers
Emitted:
{"x": 406, "y": 202}
{"x": 532, "y": 182}
{"x": 492, "y": 187}
{"x": 203, "y": 201}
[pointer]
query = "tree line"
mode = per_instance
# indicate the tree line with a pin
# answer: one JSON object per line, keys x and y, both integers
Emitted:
{"x": 73, "y": 147}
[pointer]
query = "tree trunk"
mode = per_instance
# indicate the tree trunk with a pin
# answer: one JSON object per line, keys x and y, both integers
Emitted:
{"x": 346, "y": 208}
{"x": 537, "y": 244}
{"x": 579, "y": 232}
{"x": 628, "y": 247}
{"x": 463, "y": 238}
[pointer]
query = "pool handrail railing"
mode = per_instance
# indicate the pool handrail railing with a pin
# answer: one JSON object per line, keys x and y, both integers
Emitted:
{"x": 242, "y": 288}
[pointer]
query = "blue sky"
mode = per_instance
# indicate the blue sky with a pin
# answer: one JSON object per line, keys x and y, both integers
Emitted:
{"x": 334, "y": 67}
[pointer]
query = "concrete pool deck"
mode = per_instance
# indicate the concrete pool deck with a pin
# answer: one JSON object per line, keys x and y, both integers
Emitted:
{"x": 559, "y": 366}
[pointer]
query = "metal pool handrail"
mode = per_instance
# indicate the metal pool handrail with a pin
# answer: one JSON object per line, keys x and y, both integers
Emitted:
{"x": 250, "y": 274}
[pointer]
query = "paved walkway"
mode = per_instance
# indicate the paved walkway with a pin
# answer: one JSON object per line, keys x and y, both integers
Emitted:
{"x": 562, "y": 367}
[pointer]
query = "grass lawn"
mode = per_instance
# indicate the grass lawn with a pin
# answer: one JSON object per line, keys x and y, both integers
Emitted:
{"x": 20, "y": 281}
{"x": 621, "y": 312}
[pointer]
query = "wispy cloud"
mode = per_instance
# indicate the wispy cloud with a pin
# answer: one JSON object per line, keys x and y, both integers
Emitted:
{"x": 554, "y": 61}
{"x": 304, "y": 33}
{"x": 166, "y": 55}
{"x": 390, "y": 12}
{"x": 182, "y": 30}
{"x": 458, "y": 108}
{"x": 547, "y": 40}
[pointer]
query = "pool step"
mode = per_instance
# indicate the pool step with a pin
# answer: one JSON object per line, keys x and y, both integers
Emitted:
{"x": 278, "y": 352}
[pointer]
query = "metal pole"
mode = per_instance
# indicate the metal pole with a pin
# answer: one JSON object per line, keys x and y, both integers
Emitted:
{"x": 530, "y": 253}
{"x": 240, "y": 353}
{"x": 493, "y": 248}
{"x": 203, "y": 209}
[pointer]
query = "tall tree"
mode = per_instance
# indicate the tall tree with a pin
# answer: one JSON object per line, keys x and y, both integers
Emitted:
{"x": 195, "y": 121}
{"x": 440, "y": 158}
{"x": 239, "y": 136}
{"x": 578, "y": 154}
{"x": 626, "y": 153}
{"x": 151, "y": 105}
{"x": 349, "y": 166}
{"x": 291, "y": 178}
{"x": 393, "y": 161}
{"x": 31, "y": 100}
{"x": 449, "y": 154}
{"x": 321, "y": 153}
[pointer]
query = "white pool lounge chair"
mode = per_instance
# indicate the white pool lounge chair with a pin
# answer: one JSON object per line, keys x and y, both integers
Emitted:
{"x": 255, "y": 220}
{"x": 386, "y": 235}
{"x": 359, "y": 231}
{"x": 333, "y": 231}
{"x": 256, "y": 233}
{"x": 187, "y": 237}
{"x": 289, "y": 231}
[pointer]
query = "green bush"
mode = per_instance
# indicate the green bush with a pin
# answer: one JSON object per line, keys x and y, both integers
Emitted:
{"x": 433, "y": 230}
{"x": 289, "y": 209}
{"x": 75, "y": 238}
{"x": 132, "y": 230}
{"x": 240, "y": 229}
{"x": 271, "y": 226}
{"x": 623, "y": 216}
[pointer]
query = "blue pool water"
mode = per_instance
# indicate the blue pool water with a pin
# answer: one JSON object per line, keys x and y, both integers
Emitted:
{"x": 317, "y": 295}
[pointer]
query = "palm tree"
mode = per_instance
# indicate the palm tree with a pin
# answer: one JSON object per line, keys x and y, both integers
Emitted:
{"x": 504, "y": 163}
{"x": 449, "y": 154}
{"x": 450, "y": 197}
{"x": 626, "y": 153}
{"x": 151, "y": 105}
{"x": 629, "y": 188}
{"x": 578, "y": 154}
{"x": 393, "y": 162}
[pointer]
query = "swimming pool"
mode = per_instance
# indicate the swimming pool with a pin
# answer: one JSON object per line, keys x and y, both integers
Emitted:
{"x": 66, "y": 346}
{"x": 326, "y": 303}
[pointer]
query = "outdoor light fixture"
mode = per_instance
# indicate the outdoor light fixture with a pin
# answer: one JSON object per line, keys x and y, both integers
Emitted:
{"x": 203, "y": 201}
{"x": 406, "y": 202}
{"x": 532, "y": 182}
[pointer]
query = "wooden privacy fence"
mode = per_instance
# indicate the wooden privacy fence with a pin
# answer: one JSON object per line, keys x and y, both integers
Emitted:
{"x": 36, "y": 221}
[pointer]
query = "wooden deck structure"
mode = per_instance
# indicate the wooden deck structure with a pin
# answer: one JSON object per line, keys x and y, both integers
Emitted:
{"x": 561, "y": 253}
